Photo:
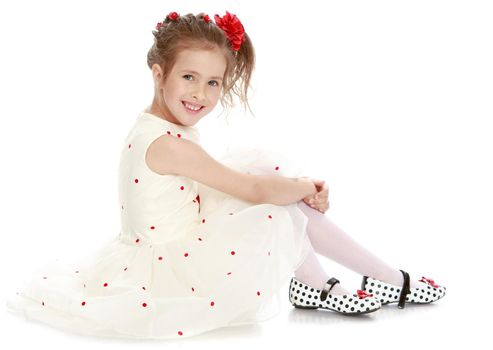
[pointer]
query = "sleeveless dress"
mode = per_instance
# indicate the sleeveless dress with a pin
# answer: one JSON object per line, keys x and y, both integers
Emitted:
{"x": 188, "y": 258}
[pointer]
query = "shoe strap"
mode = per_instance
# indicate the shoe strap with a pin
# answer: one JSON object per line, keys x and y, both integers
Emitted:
{"x": 328, "y": 287}
{"x": 405, "y": 290}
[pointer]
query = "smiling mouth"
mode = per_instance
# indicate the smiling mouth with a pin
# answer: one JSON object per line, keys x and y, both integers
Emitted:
{"x": 194, "y": 107}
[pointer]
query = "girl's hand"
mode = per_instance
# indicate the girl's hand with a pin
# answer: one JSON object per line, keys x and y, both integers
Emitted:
{"x": 319, "y": 200}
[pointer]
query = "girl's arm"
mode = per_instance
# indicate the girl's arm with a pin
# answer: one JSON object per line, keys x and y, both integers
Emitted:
{"x": 280, "y": 190}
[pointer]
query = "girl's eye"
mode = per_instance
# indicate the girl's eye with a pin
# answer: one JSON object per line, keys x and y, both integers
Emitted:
{"x": 189, "y": 75}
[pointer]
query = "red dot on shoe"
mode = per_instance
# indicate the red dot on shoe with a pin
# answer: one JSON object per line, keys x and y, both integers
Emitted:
{"x": 169, "y": 132}
{"x": 212, "y": 303}
{"x": 152, "y": 227}
{"x": 180, "y": 333}
{"x": 83, "y": 303}
{"x": 186, "y": 254}
{"x": 129, "y": 145}
{"x": 144, "y": 288}
{"x": 160, "y": 258}
{"x": 277, "y": 168}
{"x": 106, "y": 284}
{"x": 144, "y": 304}
{"x": 137, "y": 240}
{"x": 233, "y": 252}
{"x": 179, "y": 135}
{"x": 181, "y": 188}
{"x": 229, "y": 273}
{"x": 136, "y": 180}
{"x": 43, "y": 303}
{"x": 258, "y": 293}
{"x": 270, "y": 217}
{"x": 203, "y": 220}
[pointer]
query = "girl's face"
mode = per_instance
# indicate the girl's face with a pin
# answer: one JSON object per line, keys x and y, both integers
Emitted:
{"x": 196, "y": 80}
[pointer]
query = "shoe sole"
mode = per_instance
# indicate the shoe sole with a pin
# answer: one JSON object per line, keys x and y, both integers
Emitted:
{"x": 412, "y": 302}
{"x": 342, "y": 313}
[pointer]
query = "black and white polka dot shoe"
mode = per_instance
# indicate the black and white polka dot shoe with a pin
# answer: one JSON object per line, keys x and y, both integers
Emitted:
{"x": 303, "y": 296}
{"x": 389, "y": 293}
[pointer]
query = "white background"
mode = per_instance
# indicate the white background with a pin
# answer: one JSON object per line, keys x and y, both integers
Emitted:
{"x": 390, "y": 102}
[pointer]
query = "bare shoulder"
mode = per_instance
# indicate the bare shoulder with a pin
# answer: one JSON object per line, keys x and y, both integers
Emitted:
{"x": 169, "y": 155}
{"x": 158, "y": 153}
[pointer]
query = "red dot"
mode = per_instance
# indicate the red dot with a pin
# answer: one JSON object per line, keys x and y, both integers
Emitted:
{"x": 203, "y": 220}
{"x": 233, "y": 252}
{"x": 181, "y": 188}
{"x": 277, "y": 168}
{"x": 180, "y": 333}
{"x": 258, "y": 293}
{"x": 152, "y": 227}
{"x": 43, "y": 303}
{"x": 229, "y": 273}
{"x": 125, "y": 269}
{"x": 200, "y": 239}
{"x": 144, "y": 304}
{"x": 270, "y": 217}
{"x": 212, "y": 303}
{"x": 169, "y": 132}
{"x": 186, "y": 254}
{"x": 106, "y": 284}
{"x": 160, "y": 258}
{"x": 129, "y": 145}
{"x": 137, "y": 240}
{"x": 83, "y": 303}
{"x": 136, "y": 180}
{"x": 179, "y": 135}
{"x": 144, "y": 288}
{"x": 193, "y": 290}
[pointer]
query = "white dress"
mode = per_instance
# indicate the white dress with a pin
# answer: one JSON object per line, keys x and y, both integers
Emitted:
{"x": 188, "y": 258}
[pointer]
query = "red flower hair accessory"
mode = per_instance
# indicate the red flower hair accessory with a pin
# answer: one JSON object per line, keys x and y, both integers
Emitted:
{"x": 172, "y": 16}
{"x": 233, "y": 28}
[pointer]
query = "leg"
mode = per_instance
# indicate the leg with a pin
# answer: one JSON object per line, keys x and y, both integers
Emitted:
{"x": 332, "y": 242}
{"x": 313, "y": 274}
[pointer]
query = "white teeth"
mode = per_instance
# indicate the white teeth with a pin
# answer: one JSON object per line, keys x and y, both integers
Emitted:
{"x": 194, "y": 108}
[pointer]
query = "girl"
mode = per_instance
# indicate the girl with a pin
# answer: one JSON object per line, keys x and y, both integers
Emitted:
{"x": 207, "y": 244}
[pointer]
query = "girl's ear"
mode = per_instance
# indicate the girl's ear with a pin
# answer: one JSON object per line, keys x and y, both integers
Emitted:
{"x": 157, "y": 74}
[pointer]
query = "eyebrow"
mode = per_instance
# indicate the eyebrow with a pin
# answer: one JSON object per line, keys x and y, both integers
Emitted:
{"x": 197, "y": 73}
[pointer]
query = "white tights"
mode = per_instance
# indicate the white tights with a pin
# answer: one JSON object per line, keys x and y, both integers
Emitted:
{"x": 332, "y": 242}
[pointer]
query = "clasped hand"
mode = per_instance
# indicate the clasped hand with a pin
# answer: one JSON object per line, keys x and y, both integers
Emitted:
{"x": 319, "y": 200}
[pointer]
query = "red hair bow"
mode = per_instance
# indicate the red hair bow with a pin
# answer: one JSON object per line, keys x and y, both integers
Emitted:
{"x": 429, "y": 281}
{"x": 233, "y": 28}
{"x": 362, "y": 294}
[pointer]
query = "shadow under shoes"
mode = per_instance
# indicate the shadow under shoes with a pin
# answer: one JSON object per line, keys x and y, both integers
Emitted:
{"x": 389, "y": 293}
{"x": 303, "y": 296}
